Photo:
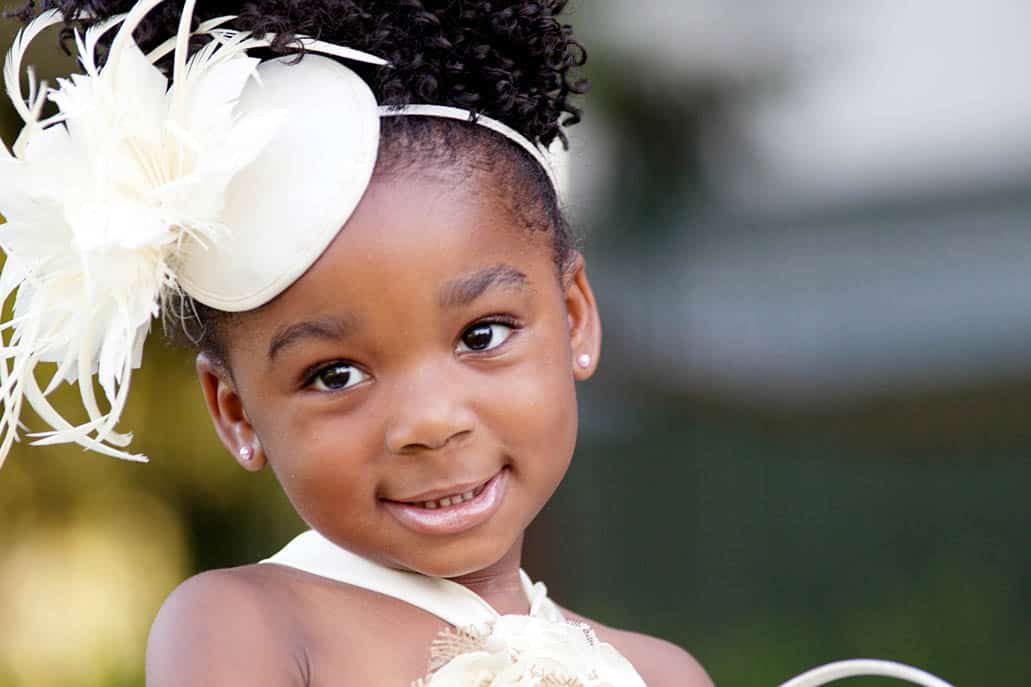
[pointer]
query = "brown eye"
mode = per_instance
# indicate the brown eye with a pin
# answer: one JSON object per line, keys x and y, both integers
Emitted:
{"x": 484, "y": 336}
{"x": 336, "y": 377}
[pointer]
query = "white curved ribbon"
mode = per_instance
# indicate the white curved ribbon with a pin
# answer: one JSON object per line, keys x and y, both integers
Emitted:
{"x": 868, "y": 667}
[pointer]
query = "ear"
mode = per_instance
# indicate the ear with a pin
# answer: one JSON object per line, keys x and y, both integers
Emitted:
{"x": 227, "y": 414}
{"x": 583, "y": 319}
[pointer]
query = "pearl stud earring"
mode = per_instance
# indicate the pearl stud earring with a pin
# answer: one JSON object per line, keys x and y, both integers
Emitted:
{"x": 246, "y": 453}
{"x": 583, "y": 360}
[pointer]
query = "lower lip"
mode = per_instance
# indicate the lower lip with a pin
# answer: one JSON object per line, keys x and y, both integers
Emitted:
{"x": 452, "y": 519}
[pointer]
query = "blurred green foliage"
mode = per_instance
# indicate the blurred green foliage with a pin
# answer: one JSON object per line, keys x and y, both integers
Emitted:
{"x": 766, "y": 549}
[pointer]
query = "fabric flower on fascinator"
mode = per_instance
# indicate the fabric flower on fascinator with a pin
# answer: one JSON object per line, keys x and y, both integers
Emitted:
{"x": 97, "y": 199}
{"x": 527, "y": 651}
{"x": 141, "y": 186}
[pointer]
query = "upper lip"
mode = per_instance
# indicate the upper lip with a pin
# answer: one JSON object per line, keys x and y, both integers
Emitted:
{"x": 435, "y": 494}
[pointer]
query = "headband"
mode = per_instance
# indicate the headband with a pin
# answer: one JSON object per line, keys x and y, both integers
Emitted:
{"x": 492, "y": 124}
{"x": 141, "y": 187}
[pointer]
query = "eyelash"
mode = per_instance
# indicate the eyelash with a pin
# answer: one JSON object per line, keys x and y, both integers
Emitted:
{"x": 311, "y": 375}
{"x": 503, "y": 320}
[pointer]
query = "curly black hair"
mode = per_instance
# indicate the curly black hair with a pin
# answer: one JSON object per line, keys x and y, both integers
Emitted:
{"x": 511, "y": 60}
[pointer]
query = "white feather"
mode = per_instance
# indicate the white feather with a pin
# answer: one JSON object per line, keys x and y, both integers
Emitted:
{"x": 313, "y": 45}
{"x": 182, "y": 47}
{"x": 88, "y": 50}
{"x": 49, "y": 415}
{"x": 340, "y": 51}
{"x": 202, "y": 28}
{"x": 124, "y": 36}
{"x": 12, "y": 64}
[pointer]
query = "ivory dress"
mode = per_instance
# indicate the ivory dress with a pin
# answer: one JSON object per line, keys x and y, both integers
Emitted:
{"x": 481, "y": 648}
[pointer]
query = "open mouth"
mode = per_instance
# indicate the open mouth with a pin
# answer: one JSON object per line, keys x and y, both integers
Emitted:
{"x": 452, "y": 513}
{"x": 452, "y": 500}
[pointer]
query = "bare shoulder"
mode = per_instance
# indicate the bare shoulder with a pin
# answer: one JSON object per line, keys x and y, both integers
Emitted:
{"x": 660, "y": 663}
{"x": 223, "y": 627}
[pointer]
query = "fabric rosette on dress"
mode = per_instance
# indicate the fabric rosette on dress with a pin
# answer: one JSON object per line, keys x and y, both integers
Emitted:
{"x": 527, "y": 651}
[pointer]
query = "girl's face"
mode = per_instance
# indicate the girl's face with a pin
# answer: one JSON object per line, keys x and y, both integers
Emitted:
{"x": 430, "y": 352}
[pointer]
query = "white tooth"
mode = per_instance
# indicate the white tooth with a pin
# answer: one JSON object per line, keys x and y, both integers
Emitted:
{"x": 430, "y": 504}
{"x": 456, "y": 499}
{"x": 467, "y": 495}
{"x": 445, "y": 501}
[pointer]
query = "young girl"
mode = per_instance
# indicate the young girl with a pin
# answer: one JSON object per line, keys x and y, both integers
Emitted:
{"x": 370, "y": 252}
{"x": 391, "y": 316}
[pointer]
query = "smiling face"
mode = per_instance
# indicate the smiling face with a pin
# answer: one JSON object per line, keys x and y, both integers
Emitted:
{"x": 414, "y": 390}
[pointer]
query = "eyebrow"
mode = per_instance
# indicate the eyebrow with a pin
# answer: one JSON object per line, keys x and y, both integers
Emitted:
{"x": 328, "y": 327}
{"x": 465, "y": 290}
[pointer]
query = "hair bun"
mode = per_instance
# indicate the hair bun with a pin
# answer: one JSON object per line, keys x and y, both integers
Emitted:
{"x": 511, "y": 61}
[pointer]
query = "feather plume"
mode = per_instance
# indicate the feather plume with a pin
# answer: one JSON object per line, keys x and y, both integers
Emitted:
{"x": 204, "y": 28}
{"x": 87, "y": 48}
{"x": 99, "y": 200}
{"x": 28, "y": 111}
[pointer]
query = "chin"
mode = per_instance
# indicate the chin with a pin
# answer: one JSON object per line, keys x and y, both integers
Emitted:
{"x": 459, "y": 558}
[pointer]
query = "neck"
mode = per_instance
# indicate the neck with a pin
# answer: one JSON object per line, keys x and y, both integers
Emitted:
{"x": 499, "y": 584}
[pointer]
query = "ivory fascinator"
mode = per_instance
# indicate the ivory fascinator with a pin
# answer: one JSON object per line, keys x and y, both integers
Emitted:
{"x": 142, "y": 186}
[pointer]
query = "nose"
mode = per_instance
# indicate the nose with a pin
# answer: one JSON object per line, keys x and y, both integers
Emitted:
{"x": 430, "y": 411}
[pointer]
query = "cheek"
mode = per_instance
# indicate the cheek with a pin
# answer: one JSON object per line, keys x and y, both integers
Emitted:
{"x": 319, "y": 459}
{"x": 539, "y": 414}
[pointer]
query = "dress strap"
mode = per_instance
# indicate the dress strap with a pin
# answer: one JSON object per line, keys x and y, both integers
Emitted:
{"x": 450, "y": 601}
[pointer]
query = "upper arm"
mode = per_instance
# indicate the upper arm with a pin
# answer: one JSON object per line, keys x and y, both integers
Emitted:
{"x": 215, "y": 630}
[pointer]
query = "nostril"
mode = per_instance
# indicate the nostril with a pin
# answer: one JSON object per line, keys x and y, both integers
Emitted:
{"x": 459, "y": 438}
{"x": 428, "y": 422}
{"x": 452, "y": 440}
